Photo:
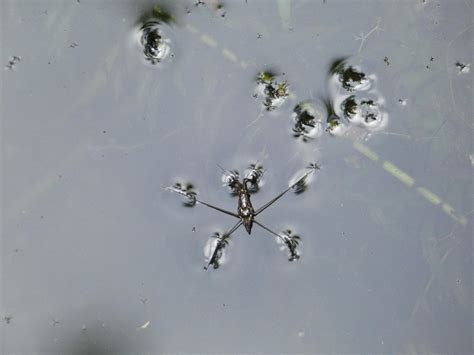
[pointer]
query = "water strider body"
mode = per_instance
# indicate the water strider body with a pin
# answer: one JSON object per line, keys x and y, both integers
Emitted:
{"x": 245, "y": 209}
{"x": 246, "y": 214}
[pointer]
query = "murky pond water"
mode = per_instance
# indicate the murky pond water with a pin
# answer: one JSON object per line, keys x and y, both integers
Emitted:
{"x": 107, "y": 106}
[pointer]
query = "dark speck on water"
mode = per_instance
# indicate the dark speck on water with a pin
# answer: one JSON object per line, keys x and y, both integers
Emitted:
{"x": 463, "y": 68}
{"x": 12, "y": 62}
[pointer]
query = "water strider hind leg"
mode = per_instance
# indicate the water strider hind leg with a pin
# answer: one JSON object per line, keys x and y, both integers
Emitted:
{"x": 291, "y": 242}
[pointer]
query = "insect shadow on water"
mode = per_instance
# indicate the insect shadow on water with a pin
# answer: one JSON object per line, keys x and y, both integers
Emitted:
{"x": 246, "y": 214}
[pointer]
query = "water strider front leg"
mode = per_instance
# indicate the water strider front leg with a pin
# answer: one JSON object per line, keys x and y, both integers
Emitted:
{"x": 192, "y": 197}
{"x": 218, "y": 209}
{"x": 272, "y": 201}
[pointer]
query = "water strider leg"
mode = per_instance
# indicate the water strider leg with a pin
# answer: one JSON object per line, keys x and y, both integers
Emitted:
{"x": 220, "y": 244}
{"x": 218, "y": 209}
{"x": 291, "y": 243}
{"x": 272, "y": 201}
{"x": 268, "y": 230}
{"x": 204, "y": 203}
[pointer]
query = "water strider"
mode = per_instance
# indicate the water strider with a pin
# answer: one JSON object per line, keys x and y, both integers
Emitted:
{"x": 246, "y": 213}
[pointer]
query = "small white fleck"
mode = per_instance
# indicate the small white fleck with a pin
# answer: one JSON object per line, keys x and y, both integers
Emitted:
{"x": 301, "y": 334}
{"x": 144, "y": 326}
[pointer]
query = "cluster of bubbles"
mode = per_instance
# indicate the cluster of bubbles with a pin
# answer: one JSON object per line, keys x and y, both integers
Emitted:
{"x": 354, "y": 102}
{"x": 274, "y": 93}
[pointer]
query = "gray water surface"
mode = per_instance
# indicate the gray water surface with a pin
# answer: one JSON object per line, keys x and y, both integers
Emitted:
{"x": 97, "y": 257}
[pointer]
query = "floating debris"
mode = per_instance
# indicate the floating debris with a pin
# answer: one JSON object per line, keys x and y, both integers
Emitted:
{"x": 335, "y": 126}
{"x": 219, "y": 9}
{"x": 8, "y": 319}
{"x": 12, "y": 62}
{"x": 463, "y": 68}
{"x": 163, "y": 15}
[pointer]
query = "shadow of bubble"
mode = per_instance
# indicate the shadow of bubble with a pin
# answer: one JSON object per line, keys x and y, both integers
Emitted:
{"x": 164, "y": 11}
{"x": 89, "y": 343}
{"x": 82, "y": 333}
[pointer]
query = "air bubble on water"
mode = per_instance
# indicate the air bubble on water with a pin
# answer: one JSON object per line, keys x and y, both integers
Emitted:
{"x": 150, "y": 37}
{"x": 366, "y": 111}
{"x": 307, "y": 121}
{"x": 350, "y": 78}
